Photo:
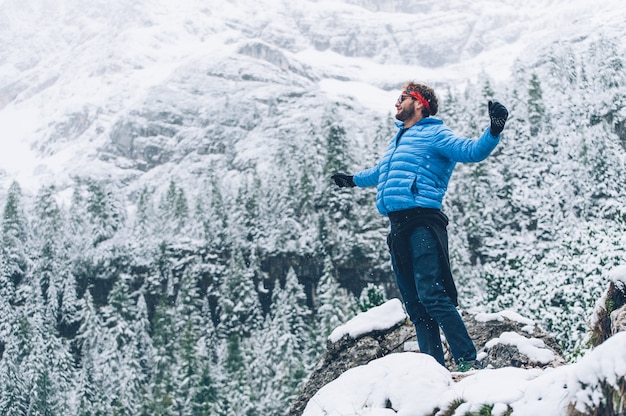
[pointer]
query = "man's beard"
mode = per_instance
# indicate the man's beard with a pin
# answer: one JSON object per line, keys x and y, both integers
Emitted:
{"x": 405, "y": 114}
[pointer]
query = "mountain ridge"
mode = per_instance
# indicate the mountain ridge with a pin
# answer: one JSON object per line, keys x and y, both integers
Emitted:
{"x": 105, "y": 60}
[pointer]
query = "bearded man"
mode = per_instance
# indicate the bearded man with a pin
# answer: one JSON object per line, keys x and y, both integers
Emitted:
{"x": 412, "y": 178}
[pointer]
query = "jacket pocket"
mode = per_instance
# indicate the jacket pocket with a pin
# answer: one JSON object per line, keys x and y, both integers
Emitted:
{"x": 414, "y": 188}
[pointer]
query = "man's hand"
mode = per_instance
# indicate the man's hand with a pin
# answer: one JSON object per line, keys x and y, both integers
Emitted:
{"x": 343, "y": 181}
{"x": 498, "y": 115}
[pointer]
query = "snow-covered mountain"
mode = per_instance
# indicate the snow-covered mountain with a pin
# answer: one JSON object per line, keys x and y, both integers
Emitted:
{"x": 137, "y": 91}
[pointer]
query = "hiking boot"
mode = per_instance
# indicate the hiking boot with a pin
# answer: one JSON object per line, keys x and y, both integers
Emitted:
{"x": 465, "y": 366}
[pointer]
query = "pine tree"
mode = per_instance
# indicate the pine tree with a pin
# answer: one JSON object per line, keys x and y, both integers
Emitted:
{"x": 334, "y": 305}
{"x": 92, "y": 397}
{"x": 160, "y": 394}
{"x": 211, "y": 214}
{"x": 14, "y": 397}
{"x": 284, "y": 343}
{"x": 43, "y": 360}
{"x": 487, "y": 92}
{"x": 78, "y": 235}
{"x": 208, "y": 394}
{"x": 237, "y": 379}
{"x": 337, "y": 157}
{"x": 125, "y": 348}
{"x": 173, "y": 211}
{"x": 52, "y": 265}
{"x": 144, "y": 218}
{"x": 371, "y": 296}
{"x": 206, "y": 399}
{"x": 536, "y": 110}
{"x": 304, "y": 190}
{"x": 13, "y": 251}
{"x": 181, "y": 211}
{"x": 106, "y": 213}
{"x": 249, "y": 216}
{"x": 239, "y": 305}
{"x": 188, "y": 323}
{"x": 337, "y": 222}
{"x": 52, "y": 368}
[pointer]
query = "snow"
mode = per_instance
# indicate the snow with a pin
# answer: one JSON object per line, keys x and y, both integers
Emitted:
{"x": 533, "y": 348}
{"x": 368, "y": 95}
{"x": 618, "y": 275}
{"x": 16, "y": 157}
{"x": 381, "y": 317}
{"x": 511, "y": 315}
{"x": 414, "y": 384}
{"x": 394, "y": 378}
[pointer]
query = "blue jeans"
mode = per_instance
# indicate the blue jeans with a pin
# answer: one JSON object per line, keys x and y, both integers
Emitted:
{"x": 418, "y": 270}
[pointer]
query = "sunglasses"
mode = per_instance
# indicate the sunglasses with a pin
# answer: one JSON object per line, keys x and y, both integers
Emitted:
{"x": 403, "y": 97}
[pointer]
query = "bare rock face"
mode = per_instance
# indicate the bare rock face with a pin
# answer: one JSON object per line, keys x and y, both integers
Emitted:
{"x": 618, "y": 320}
{"x": 609, "y": 315}
{"x": 497, "y": 337}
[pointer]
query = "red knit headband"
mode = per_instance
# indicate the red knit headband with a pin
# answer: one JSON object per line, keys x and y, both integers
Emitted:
{"x": 415, "y": 94}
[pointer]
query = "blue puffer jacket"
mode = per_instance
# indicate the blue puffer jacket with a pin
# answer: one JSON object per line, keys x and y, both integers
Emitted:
{"x": 415, "y": 170}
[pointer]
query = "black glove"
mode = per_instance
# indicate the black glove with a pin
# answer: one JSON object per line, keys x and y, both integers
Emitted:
{"x": 498, "y": 115}
{"x": 342, "y": 180}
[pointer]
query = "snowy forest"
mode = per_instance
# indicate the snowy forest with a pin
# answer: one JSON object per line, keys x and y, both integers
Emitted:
{"x": 218, "y": 299}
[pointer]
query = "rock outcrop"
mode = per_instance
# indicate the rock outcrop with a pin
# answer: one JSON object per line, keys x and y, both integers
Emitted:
{"x": 507, "y": 339}
{"x": 593, "y": 385}
{"x": 498, "y": 338}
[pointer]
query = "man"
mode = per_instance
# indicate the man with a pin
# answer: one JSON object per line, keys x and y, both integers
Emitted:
{"x": 412, "y": 178}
